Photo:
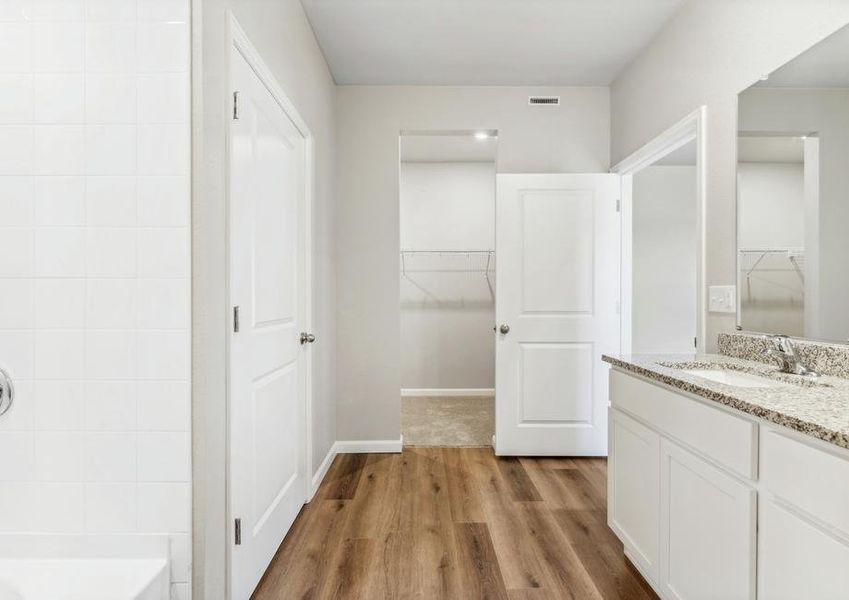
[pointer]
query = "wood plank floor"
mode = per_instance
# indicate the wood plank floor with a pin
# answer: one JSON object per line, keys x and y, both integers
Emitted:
{"x": 460, "y": 523}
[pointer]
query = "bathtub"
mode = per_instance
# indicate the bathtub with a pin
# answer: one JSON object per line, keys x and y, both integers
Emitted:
{"x": 65, "y": 568}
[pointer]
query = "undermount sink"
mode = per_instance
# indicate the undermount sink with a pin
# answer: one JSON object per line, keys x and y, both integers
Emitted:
{"x": 735, "y": 378}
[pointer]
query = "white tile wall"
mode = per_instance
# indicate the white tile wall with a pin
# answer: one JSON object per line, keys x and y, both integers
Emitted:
{"x": 94, "y": 268}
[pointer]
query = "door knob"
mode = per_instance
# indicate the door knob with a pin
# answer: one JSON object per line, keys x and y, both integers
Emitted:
{"x": 505, "y": 328}
{"x": 307, "y": 338}
{"x": 7, "y": 392}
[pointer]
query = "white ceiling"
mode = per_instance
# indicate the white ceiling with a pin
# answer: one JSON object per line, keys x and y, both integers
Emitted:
{"x": 824, "y": 65}
{"x": 484, "y": 42}
{"x": 447, "y": 148}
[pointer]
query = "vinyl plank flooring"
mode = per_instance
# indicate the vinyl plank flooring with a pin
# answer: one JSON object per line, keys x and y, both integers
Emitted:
{"x": 463, "y": 493}
{"x": 454, "y": 524}
{"x": 521, "y": 486}
{"x": 481, "y": 576}
{"x": 565, "y": 571}
{"x": 594, "y": 543}
{"x": 344, "y": 476}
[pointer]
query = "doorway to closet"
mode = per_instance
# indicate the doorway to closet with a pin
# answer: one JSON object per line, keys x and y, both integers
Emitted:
{"x": 447, "y": 287}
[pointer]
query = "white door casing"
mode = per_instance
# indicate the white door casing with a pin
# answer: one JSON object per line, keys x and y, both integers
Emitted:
{"x": 268, "y": 282}
{"x": 557, "y": 243}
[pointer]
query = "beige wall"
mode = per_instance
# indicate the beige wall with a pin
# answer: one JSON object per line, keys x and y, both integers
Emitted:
{"x": 708, "y": 53}
{"x": 571, "y": 138}
{"x": 663, "y": 234}
{"x": 282, "y": 34}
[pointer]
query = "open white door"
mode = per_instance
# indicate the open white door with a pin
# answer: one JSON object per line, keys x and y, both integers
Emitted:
{"x": 557, "y": 243}
{"x": 267, "y": 384}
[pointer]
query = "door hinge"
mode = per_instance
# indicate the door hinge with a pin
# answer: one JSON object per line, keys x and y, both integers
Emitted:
{"x": 235, "y": 106}
{"x": 695, "y": 342}
{"x": 618, "y": 205}
{"x": 238, "y": 532}
{"x": 235, "y": 319}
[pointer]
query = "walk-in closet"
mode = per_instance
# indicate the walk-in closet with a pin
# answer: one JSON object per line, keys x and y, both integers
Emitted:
{"x": 447, "y": 291}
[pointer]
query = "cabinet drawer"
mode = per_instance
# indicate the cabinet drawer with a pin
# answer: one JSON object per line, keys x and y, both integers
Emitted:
{"x": 723, "y": 437}
{"x": 812, "y": 479}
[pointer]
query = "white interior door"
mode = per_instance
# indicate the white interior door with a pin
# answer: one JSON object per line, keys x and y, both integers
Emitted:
{"x": 557, "y": 243}
{"x": 267, "y": 283}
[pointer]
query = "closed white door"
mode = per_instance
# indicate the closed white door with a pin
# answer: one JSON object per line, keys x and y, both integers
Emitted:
{"x": 267, "y": 283}
{"x": 557, "y": 243}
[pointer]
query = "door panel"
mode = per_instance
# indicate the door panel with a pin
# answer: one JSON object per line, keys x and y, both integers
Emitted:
{"x": 707, "y": 530}
{"x": 797, "y": 559}
{"x": 557, "y": 251}
{"x": 267, "y": 376}
{"x": 557, "y": 242}
{"x": 634, "y": 489}
{"x": 566, "y": 397}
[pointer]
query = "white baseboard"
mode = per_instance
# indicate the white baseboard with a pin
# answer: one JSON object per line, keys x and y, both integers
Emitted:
{"x": 322, "y": 471}
{"x": 448, "y": 392}
{"x": 369, "y": 446}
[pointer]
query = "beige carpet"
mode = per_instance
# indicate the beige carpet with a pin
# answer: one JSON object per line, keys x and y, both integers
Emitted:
{"x": 447, "y": 421}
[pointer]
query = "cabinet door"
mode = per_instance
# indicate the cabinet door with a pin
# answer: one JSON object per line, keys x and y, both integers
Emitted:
{"x": 797, "y": 559}
{"x": 634, "y": 489}
{"x": 707, "y": 530}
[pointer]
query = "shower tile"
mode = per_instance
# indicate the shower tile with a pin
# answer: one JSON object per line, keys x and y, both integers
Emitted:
{"x": 59, "y": 98}
{"x": 59, "y": 303}
{"x": 111, "y": 202}
{"x": 110, "y": 47}
{"x": 59, "y": 252}
{"x": 59, "y": 201}
{"x": 110, "y": 253}
{"x": 111, "y": 303}
{"x": 58, "y": 456}
{"x": 110, "y": 354}
{"x": 57, "y": 354}
{"x": 59, "y": 405}
{"x": 58, "y": 47}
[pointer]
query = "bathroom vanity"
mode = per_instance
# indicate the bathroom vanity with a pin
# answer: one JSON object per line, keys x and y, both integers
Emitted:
{"x": 728, "y": 479}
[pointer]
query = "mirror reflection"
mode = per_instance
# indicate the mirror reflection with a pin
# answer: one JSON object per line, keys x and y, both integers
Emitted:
{"x": 793, "y": 196}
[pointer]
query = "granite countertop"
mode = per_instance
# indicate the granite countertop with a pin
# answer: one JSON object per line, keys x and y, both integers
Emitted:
{"x": 816, "y": 407}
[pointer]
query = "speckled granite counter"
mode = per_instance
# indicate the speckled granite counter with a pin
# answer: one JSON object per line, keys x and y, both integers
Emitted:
{"x": 819, "y": 408}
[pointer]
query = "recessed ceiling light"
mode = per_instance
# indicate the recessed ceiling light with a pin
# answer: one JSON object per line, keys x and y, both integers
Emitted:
{"x": 764, "y": 77}
{"x": 481, "y": 135}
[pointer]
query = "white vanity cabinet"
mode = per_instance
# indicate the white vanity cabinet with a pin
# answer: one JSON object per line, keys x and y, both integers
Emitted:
{"x": 634, "y": 490}
{"x": 803, "y": 545}
{"x": 707, "y": 526}
{"x": 712, "y": 503}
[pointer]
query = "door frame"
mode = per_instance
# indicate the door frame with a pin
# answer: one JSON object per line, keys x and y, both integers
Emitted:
{"x": 691, "y": 128}
{"x": 237, "y": 39}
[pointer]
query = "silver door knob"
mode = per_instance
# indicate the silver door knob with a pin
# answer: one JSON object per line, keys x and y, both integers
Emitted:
{"x": 307, "y": 338}
{"x": 7, "y": 392}
{"x": 505, "y": 328}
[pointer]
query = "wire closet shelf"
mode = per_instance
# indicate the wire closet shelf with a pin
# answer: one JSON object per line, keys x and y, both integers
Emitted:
{"x": 448, "y": 261}
{"x": 758, "y": 260}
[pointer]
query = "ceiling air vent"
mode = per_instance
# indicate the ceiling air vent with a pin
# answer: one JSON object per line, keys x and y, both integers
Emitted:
{"x": 544, "y": 100}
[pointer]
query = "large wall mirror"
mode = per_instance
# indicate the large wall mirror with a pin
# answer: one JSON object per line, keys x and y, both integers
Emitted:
{"x": 793, "y": 197}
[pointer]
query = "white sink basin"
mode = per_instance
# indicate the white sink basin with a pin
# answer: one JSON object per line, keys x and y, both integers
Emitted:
{"x": 735, "y": 378}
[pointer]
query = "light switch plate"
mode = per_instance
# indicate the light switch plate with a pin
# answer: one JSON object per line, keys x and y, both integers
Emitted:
{"x": 722, "y": 299}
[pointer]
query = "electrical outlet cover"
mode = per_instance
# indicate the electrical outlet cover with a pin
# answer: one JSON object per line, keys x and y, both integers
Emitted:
{"x": 722, "y": 299}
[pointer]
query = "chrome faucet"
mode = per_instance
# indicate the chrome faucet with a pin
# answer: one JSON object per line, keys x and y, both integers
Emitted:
{"x": 782, "y": 350}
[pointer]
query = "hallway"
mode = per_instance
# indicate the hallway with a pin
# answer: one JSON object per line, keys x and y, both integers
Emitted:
{"x": 454, "y": 523}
